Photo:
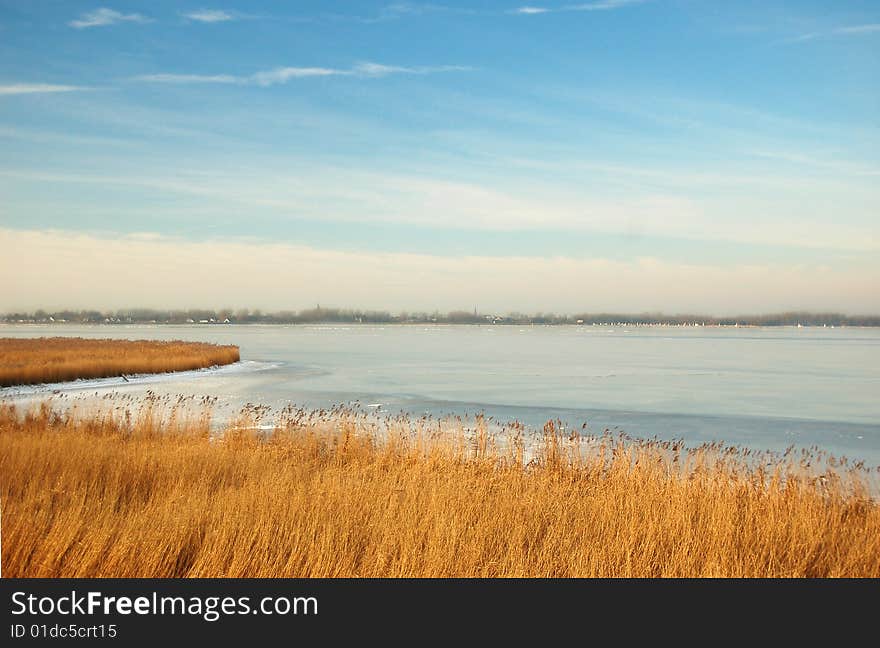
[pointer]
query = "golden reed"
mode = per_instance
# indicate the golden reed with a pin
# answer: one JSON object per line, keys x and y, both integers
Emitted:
{"x": 45, "y": 360}
{"x": 155, "y": 493}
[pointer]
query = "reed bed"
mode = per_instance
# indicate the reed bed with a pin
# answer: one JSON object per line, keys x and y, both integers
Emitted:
{"x": 27, "y": 361}
{"x": 155, "y": 491}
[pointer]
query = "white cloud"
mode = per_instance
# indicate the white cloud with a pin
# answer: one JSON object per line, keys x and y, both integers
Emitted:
{"x": 603, "y": 5}
{"x": 853, "y": 30}
{"x": 209, "y": 15}
{"x": 368, "y": 68}
{"x": 282, "y": 75}
{"x": 285, "y": 74}
{"x": 599, "y": 5}
{"x": 103, "y": 17}
{"x": 32, "y": 88}
{"x": 81, "y": 270}
{"x": 265, "y": 78}
{"x": 803, "y": 38}
{"x": 761, "y": 215}
{"x": 187, "y": 78}
{"x": 859, "y": 29}
{"x": 399, "y": 10}
{"x": 49, "y": 137}
{"x": 377, "y": 69}
{"x": 820, "y": 161}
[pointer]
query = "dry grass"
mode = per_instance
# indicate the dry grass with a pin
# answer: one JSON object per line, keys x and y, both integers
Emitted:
{"x": 154, "y": 493}
{"x": 43, "y": 360}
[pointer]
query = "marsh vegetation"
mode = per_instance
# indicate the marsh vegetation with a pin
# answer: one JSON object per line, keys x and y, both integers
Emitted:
{"x": 151, "y": 489}
{"x": 27, "y": 361}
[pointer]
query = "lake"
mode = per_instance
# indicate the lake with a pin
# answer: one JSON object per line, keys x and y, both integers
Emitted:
{"x": 766, "y": 388}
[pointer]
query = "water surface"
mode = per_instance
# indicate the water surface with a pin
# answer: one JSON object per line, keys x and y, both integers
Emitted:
{"x": 766, "y": 388}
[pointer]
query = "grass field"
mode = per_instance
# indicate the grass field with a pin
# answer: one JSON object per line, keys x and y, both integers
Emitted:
{"x": 26, "y": 361}
{"x": 151, "y": 491}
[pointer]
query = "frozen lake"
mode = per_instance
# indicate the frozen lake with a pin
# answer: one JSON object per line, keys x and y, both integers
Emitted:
{"x": 765, "y": 388}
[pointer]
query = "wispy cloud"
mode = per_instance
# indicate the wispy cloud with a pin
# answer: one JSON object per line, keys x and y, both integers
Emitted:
{"x": 33, "y": 88}
{"x": 851, "y": 30}
{"x": 859, "y": 29}
{"x": 529, "y": 10}
{"x": 104, "y": 16}
{"x": 54, "y": 137}
{"x": 807, "y": 219}
{"x": 398, "y": 10}
{"x": 602, "y": 5}
{"x": 264, "y": 78}
{"x": 803, "y": 38}
{"x": 416, "y": 8}
{"x": 282, "y": 75}
{"x": 599, "y": 5}
{"x": 285, "y": 74}
{"x": 187, "y": 78}
{"x": 819, "y": 161}
{"x": 378, "y": 70}
{"x": 209, "y": 15}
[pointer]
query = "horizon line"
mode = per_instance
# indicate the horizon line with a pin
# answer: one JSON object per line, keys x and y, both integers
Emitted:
{"x": 358, "y": 315}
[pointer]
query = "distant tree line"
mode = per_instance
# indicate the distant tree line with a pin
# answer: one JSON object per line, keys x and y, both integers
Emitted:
{"x": 340, "y": 315}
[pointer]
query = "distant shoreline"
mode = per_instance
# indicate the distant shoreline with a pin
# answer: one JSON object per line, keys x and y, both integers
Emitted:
{"x": 419, "y": 323}
{"x": 350, "y": 316}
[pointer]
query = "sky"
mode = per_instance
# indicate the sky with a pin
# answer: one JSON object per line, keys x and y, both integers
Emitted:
{"x": 720, "y": 157}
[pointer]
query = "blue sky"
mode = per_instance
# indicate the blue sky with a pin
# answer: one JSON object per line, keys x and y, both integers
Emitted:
{"x": 664, "y": 155}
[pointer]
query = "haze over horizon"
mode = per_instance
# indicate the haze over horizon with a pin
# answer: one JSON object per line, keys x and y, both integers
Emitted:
{"x": 615, "y": 155}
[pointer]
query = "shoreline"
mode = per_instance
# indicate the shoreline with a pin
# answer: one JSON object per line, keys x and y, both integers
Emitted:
{"x": 109, "y": 382}
{"x": 46, "y": 360}
{"x": 110, "y": 325}
{"x": 97, "y": 395}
